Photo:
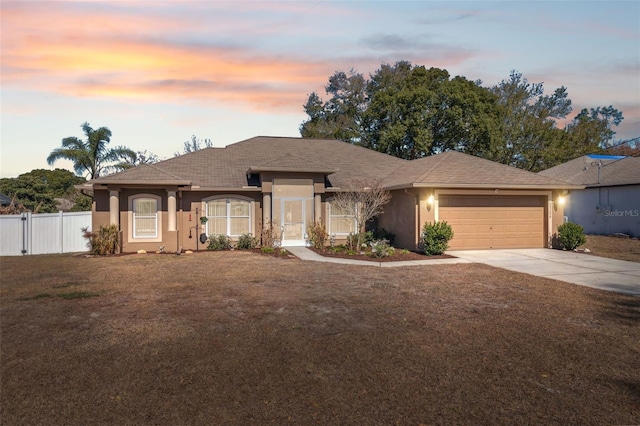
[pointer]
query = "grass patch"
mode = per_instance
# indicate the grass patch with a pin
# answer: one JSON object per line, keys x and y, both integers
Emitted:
{"x": 37, "y": 296}
{"x": 66, "y": 296}
{"x": 78, "y": 295}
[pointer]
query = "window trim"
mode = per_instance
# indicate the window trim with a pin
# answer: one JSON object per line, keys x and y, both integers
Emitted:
{"x": 131, "y": 222}
{"x": 330, "y": 217}
{"x": 228, "y": 198}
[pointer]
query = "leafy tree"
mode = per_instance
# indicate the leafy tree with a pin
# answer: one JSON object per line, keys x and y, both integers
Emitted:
{"x": 59, "y": 182}
{"x": 29, "y": 191}
{"x": 414, "y": 112}
{"x": 194, "y": 144}
{"x": 81, "y": 202}
{"x": 404, "y": 110}
{"x": 91, "y": 156}
{"x": 410, "y": 111}
{"x": 37, "y": 190}
{"x": 528, "y": 122}
{"x": 341, "y": 117}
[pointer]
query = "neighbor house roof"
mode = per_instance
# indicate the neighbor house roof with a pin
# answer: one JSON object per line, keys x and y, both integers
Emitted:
{"x": 455, "y": 169}
{"x": 597, "y": 171}
{"x": 342, "y": 163}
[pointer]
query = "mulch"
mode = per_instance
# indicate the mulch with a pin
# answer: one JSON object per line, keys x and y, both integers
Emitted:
{"x": 396, "y": 257}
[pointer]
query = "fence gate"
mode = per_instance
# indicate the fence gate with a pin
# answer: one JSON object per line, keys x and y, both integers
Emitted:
{"x": 44, "y": 233}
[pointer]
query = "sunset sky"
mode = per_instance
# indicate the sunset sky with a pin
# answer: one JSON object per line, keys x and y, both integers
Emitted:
{"x": 157, "y": 72}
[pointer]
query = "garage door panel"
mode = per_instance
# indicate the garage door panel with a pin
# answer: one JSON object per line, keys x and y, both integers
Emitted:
{"x": 494, "y": 221}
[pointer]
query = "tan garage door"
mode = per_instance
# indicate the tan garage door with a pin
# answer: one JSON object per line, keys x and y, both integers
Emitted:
{"x": 481, "y": 222}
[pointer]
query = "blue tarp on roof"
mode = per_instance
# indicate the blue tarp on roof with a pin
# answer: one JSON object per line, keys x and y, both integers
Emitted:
{"x": 606, "y": 157}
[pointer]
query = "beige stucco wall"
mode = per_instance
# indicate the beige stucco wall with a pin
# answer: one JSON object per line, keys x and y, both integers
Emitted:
{"x": 408, "y": 210}
{"x": 400, "y": 218}
{"x": 403, "y": 216}
{"x": 557, "y": 212}
{"x": 187, "y": 217}
{"x": 190, "y": 209}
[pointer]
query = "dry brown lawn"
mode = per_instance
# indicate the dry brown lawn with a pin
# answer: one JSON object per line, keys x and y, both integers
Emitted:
{"x": 612, "y": 247}
{"x": 239, "y": 338}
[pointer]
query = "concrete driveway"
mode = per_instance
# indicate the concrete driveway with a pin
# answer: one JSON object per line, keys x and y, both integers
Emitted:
{"x": 577, "y": 268}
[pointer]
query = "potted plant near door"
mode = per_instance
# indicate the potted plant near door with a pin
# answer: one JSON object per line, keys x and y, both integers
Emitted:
{"x": 203, "y": 235}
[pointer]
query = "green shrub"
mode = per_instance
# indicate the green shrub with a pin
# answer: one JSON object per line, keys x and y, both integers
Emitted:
{"x": 381, "y": 248}
{"x": 318, "y": 235}
{"x": 268, "y": 250}
{"x": 105, "y": 241}
{"x": 435, "y": 237}
{"x": 383, "y": 234}
{"x": 352, "y": 240}
{"x": 219, "y": 242}
{"x": 247, "y": 242}
{"x": 571, "y": 235}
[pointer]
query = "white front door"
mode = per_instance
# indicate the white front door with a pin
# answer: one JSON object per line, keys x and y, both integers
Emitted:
{"x": 293, "y": 221}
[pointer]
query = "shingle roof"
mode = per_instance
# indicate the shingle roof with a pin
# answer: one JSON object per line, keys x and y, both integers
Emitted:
{"x": 144, "y": 173}
{"x": 228, "y": 167}
{"x": 454, "y": 168}
{"x": 292, "y": 163}
{"x": 583, "y": 170}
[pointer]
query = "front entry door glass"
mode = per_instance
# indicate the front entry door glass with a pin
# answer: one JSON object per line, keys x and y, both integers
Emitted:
{"x": 293, "y": 221}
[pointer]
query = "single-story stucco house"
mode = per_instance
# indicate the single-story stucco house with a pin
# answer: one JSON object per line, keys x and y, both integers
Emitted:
{"x": 610, "y": 202}
{"x": 290, "y": 182}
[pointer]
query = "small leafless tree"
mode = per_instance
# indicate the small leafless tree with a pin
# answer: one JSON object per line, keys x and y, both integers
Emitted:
{"x": 365, "y": 199}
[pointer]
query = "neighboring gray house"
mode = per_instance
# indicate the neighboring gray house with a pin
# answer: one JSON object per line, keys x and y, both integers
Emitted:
{"x": 4, "y": 200}
{"x": 610, "y": 202}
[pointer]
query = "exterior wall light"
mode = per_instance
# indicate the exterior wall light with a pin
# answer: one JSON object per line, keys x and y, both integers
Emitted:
{"x": 430, "y": 202}
{"x": 558, "y": 202}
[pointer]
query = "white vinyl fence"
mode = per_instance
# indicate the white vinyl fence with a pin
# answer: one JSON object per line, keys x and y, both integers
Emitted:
{"x": 43, "y": 233}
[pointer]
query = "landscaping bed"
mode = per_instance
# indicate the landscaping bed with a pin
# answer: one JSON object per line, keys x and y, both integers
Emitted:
{"x": 397, "y": 256}
{"x": 236, "y": 338}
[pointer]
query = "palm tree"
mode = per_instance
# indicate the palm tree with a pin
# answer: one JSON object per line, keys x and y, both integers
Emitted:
{"x": 91, "y": 156}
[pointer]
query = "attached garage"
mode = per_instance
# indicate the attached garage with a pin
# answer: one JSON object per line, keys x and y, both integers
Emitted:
{"x": 494, "y": 221}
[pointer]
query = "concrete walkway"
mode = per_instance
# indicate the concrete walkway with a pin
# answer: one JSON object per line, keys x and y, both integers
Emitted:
{"x": 576, "y": 268}
{"x": 304, "y": 253}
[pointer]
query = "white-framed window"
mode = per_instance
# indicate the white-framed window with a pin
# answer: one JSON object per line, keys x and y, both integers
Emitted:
{"x": 228, "y": 216}
{"x": 145, "y": 219}
{"x": 342, "y": 221}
